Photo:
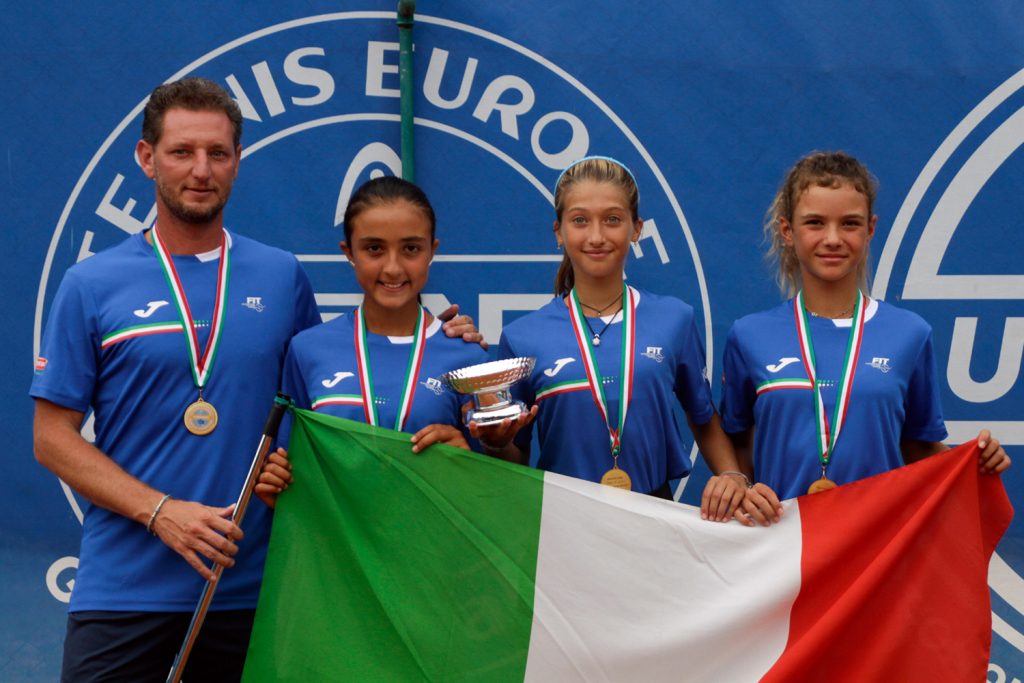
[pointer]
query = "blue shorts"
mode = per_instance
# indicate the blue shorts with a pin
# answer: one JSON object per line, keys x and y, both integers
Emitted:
{"x": 138, "y": 647}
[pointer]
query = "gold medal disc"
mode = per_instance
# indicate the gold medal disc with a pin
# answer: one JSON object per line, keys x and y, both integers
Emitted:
{"x": 823, "y": 484}
{"x": 617, "y": 478}
{"x": 200, "y": 418}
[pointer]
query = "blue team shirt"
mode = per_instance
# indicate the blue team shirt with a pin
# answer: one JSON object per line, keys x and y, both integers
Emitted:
{"x": 895, "y": 394}
{"x": 669, "y": 367}
{"x": 138, "y": 389}
{"x": 320, "y": 371}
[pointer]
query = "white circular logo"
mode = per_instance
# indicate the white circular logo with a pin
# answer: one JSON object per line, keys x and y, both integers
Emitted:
{"x": 949, "y": 258}
{"x": 495, "y": 124}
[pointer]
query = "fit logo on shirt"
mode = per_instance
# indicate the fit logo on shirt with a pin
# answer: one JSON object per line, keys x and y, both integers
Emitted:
{"x": 435, "y": 385}
{"x": 654, "y": 353}
{"x": 880, "y": 364}
{"x": 151, "y": 307}
{"x": 559, "y": 364}
{"x": 254, "y": 303}
{"x": 338, "y": 376}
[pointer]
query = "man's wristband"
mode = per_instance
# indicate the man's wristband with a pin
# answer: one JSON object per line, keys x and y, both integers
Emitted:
{"x": 156, "y": 511}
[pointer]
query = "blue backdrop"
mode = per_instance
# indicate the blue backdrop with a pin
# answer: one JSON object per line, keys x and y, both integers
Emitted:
{"x": 708, "y": 103}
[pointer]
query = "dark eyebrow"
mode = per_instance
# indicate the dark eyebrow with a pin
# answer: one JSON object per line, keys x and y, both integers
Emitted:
{"x": 370, "y": 239}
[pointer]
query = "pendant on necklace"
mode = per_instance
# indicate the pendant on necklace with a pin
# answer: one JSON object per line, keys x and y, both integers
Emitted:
{"x": 596, "y": 341}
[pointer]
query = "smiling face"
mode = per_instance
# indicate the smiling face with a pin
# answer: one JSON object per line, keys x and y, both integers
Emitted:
{"x": 830, "y": 232}
{"x": 391, "y": 248}
{"x": 194, "y": 164}
{"x": 596, "y": 229}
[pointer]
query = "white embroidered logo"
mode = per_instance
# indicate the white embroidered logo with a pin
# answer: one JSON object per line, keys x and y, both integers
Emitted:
{"x": 559, "y": 364}
{"x": 654, "y": 353}
{"x": 880, "y": 364}
{"x": 254, "y": 303}
{"x": 338, "y": 376}
{"x": 783, "y": 362}
{"x": 435, "y": 385}
{"x": 150, "y": 308}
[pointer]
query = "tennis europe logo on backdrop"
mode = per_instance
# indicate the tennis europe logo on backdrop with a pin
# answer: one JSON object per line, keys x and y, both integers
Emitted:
{"x": 950, "y": 256}
{"x": 495, "y": 123}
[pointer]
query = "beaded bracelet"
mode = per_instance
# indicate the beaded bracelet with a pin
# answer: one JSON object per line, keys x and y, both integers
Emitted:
{"x": 156, "y": 511}
{"x": 746, "y": 480}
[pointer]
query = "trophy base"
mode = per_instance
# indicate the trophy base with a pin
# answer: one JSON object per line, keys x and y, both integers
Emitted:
{"x": 489, "y": 416}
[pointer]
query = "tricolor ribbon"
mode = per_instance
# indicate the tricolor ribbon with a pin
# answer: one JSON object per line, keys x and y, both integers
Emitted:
{"x": 590, "y": 362}
{"x": 201, "y": 364}
{"x": 412, "y": 371}
{"x": 828, "y": 434}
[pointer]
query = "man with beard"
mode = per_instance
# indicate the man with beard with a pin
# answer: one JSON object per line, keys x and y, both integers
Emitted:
{"x": 175, "y": 339}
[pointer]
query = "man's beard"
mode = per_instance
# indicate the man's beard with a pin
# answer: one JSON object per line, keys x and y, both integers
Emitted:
{"x": 188, "y": 214}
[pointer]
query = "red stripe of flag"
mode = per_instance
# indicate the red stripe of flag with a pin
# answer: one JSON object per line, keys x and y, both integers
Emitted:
{"x": 897, "y": 592}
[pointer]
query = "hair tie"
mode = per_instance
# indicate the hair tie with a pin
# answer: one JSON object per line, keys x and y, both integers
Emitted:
{"x": 602, "y": 158}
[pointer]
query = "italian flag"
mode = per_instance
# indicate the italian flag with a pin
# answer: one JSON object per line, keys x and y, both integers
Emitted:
{"x": 450, "y": 566}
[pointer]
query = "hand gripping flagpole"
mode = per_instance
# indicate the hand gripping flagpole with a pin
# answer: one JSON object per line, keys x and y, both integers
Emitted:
{"x": 281, "y": 403}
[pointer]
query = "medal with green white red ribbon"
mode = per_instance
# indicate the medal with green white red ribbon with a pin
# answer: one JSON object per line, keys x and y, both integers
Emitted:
{"x": 412, "y": 371}
{"x": 615, "y": 477}
{"x": 200, "y": 416}
{"x": 828, "y": 434}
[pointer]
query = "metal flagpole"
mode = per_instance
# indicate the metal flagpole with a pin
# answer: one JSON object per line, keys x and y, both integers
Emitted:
{"x": 406, "y": 12}
{"x": 281, "y": 403}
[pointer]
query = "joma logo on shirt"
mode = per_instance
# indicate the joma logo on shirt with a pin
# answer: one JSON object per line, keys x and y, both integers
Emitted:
{"x": 559, "y": 364}
{"x": 783, "y": 362}
{"x": 338, "y": 376}
{"x": 151, "y": 307}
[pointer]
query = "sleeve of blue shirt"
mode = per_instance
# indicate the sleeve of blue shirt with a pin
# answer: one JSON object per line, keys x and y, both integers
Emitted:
{"x": 691, "y": 385}
{"x": 306, "y": 313}
{"x": 924, "y": 409}
{"x": 737, "y": 406}
{"x": 70, "y": 351}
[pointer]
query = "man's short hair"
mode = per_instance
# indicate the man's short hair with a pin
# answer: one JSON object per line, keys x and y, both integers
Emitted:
{"x": 193, "y": 94}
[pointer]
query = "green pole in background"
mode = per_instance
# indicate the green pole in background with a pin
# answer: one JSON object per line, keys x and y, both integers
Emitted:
{"x": 406, "y": 12}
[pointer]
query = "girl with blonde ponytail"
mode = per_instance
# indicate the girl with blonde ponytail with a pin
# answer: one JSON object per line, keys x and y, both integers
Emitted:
{"x": 612, "y": 359}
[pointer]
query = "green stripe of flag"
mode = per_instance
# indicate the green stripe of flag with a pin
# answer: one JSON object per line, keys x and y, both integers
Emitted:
{"x": 413, "y": 567}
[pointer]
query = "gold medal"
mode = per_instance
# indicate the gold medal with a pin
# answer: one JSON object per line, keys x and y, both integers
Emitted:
{"x": 823, "y": 484}
{"x": 200, "y": 418}
{"x": 617, "y": 478}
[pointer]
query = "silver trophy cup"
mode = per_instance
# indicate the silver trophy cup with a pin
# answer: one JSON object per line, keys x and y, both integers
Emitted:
{"x": 490, "y": 384}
